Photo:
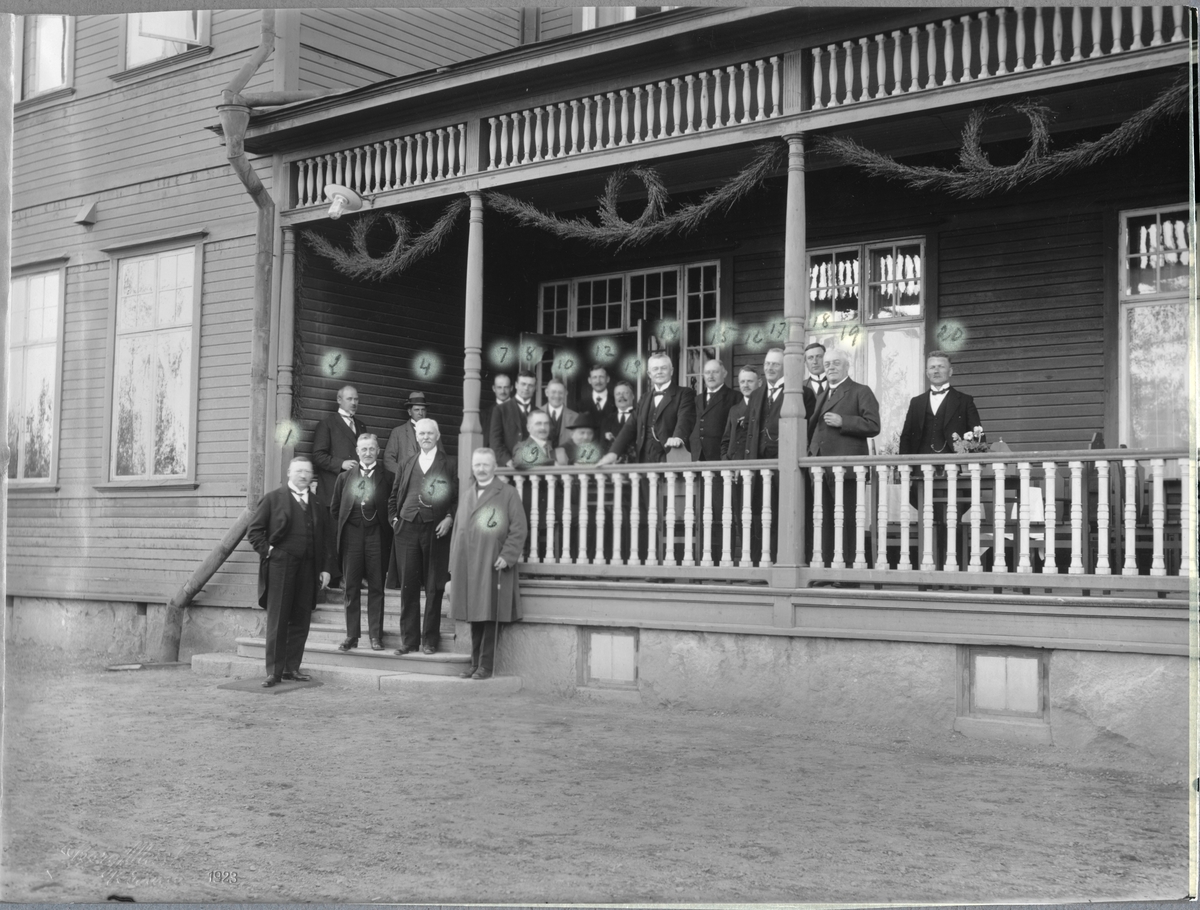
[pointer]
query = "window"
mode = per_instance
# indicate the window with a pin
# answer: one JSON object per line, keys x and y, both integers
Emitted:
{"x": 609, "y": 658}
{"x": 599, "y": 16}
{"x": 151, "y": 36}
{"x": 1005, "y": 682}
{"x": 44, "y": 56}
{"x": 1155, "y": 261}
{"x": 154, "y": 362}
{"x": 34, "y": 320}
{"x": 878, "y": 313}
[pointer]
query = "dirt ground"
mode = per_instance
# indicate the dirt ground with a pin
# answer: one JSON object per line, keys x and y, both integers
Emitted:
{"x": 161, "y": 786}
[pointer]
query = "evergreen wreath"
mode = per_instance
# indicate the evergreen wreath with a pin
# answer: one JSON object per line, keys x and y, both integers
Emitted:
{"x": 976, "y": 176}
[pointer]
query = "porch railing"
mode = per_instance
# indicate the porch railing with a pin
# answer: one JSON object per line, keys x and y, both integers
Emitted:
{"x": 983, "y": 45}
{"x": 691, "y": 103}
{"x": 424, "y": 157}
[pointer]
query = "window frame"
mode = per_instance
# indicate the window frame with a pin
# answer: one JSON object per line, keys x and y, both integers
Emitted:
{"x": 966, "y": 694}
{"x": 22, "y": 99}
{"x": 203, "y": 47}
{"x": 1127, "y": 302}
{"x": 108, "y": 452}
{"x": 26, "y": 270}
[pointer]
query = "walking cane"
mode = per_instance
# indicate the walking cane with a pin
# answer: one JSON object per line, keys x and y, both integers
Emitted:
{"x": 496, "y": 632}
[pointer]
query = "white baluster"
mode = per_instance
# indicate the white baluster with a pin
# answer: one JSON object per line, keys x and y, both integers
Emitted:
{"x": 764, "y": 560}
{"x": 951, "y": 519}
{"x": 587, "y": 124}
{"x": 635, "y": 515}
{"x": 860, "y": 517}
{"x": 967, "y": 49}
{"x": 462, "y": 149}
{"x": 1000, "y": 560}
{"x": 897, "y": 65}
{"x": 818, "y": 84}
{"x": 746, "y": 90}
{"x": 1057, "y": 36}
{"x": 1130, "y": 565}
{"x": 914, "y": 60}
{"x": 1177, "y": 18}
{"x": 704, "y": 102}
{"x": 1118, "y": 30}
{"x": 1186, "y": 541}
{"x": 1001, "y": 42}
{"x": 985, "y": 47}
{"x": 1076, "y": 33}
{"x": 519, "y": 481}
{"x": 302, "y": 194}
{"x": 839, "y": 517}
{"x": 551, "y": 132}
{"x": 669, "y": 521}
{"x": 818, "y": 513}
{"x": 527, "y": 137}
{"x": 1077, "y": 567}
{"x": 429, "y": 151}
{"x": 652, "y": 521}
{"x": 776, "y": 88}
{"x": 761, "y": 90}
{"x": 1019, "y": 39}
{"x": 904, "y": 563}
{"x": 948, "y": 51}
{"x": 834, "y": 76}
{"x": 1024, "y": 564}
{"x": 864, "y": 69}
{"x": 535, "y": 484}
{"x": 568, "y": 481}
{"x": 391, "y": 169}
{"x": 612, "y": 121}
{"x": 500, "y": 163}
{"x": 624, "y": 138}
{"x": 1158, "y": 516}
{"x": 598, "y": 551}
{"x": 637, "y": 114}
{"x": 576, "y": 148}
{"x": 976, "y": 516}
{"x": 1136, "y": 39}
{"x": 677, "y": 107}
{"x": 718, "y": 96}
{"x": 706, "y": 520}
{"x": 747, "y": 558}
{"x": 1156, "y": 12}
{"x": 882, "y": 476}
{"x": 442, "y": 163}
{"x": 618, "y": 525}
{"x": 1050, "y": 469}
{"x": 930, "y": 55}
{"x": 727, "y": 519}
{"x": 848, "y": 70}
{"x": 689, "y": 518}
{"x": 1097, "y": 29}
{"x": 377, "y": 170}
{"x": 583, "y": 521}
{"x": 551, "y": 490}
{"x": 1039, "y": 38}
{"x": 928, "y": 562}
{"x": 690, "y": 106}
{"x": 600, "y": 124}
{"x": 1102, "y": 516}
{"x": 662, "y": 107}
{"x": 360, "y": 171}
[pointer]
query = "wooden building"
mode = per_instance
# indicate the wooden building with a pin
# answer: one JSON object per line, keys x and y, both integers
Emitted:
{"x": 1065, "y": 298}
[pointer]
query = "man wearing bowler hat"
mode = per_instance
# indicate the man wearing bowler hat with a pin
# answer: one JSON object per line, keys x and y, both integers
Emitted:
{"x": 402, "y": 443}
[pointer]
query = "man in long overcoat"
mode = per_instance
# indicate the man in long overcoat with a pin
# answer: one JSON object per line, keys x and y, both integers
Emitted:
{"x": 489, "y": 537}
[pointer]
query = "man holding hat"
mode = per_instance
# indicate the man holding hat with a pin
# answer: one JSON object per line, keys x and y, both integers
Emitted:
{"x": 402, "y": 444}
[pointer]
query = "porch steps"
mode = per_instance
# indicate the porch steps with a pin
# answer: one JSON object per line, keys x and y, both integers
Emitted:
{"x": 324, "y": 653}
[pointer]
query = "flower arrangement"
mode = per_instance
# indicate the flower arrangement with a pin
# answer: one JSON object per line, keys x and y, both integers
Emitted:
{"x": 972, "y": 442}
{"x": 891, "y": 447}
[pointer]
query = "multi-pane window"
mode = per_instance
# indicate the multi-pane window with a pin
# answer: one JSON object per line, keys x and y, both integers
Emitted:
{"x": 556, "y": 309}
{"x": 153, "y": 36}
{"x": 703, "y": 305}
{"x": 653, "y": 296}
{"x": 44, "y": 61}
{"x": 33, "y": 364}
{"x": 1155, "y": 261}
{"x": 152, "y": 381}
{"x": 599, "y": 304}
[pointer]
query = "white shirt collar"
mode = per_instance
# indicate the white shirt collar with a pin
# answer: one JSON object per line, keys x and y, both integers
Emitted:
{"x": 834, "y": 385}
{"x": 426, "y": 458}
{"x": 939, "y": 388}
{"x": 303, "y": 494}
{"x": 484, "y": 486}
{"x": 345, "y": 416}
{"x": 659, "y": 390}
{"x": 365, "y": 468}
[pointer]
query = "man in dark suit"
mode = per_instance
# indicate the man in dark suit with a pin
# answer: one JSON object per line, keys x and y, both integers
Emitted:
{"x": 402, "y": 442}
{"x": 734, "y": 448}
{"x": 561, "y": 417}
{"x": 335, "y": 443}
{"x": 421, "y": 512}
{"x": 664, "y": 418}
{"x": 712, "y": 410}
{"x": 364, "y": 539}
{"x": 929, "y": 427}
{"x": 599, "y": 400}
{"x": 510, "y": 419}
{"x": 624, "y": 402}
{"x": 935, "y": 416}
{"x": 502, "y": 388}
{"x": 290, "y": 532}
{"x": 845, "y": 417}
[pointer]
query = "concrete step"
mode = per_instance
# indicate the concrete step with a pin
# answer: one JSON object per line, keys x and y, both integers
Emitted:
{"x": 385, "y": 680}
{"x": 326, "y": 616}
{"x": 325, "y": 654}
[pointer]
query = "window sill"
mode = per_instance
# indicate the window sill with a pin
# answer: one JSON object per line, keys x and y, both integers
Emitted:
{"x": 31, "y": 488}
{"x": 166, "y": 63}
{"x": 143, "y": 486}
{"x": 44, "y": 99}
{"x": 1018, "y": 729}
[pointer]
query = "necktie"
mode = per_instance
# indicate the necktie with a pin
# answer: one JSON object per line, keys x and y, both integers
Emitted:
{"x": 624, "y": 414}
{"x": 349, "y": 422}
{"x": 599, "y": 402}
{"x": 936, "y": 392}
{"x": 300, "y": 499}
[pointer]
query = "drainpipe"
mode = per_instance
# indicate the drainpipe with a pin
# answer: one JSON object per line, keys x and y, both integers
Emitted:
{"x": 234, "y": 111}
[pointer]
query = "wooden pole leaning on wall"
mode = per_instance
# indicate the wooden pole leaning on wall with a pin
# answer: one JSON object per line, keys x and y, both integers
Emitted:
{"x": 793, "y": 435}
{"x": 7, "y": 43}
{"x": 471, "y": 434}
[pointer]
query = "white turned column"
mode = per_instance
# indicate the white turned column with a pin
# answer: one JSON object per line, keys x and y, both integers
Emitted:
{"x": 1077, "y": 567}
{"x": 706, "y": 519}
{"x": 598, "y": 545}
{"x": 882, "y": 474}
{"x": 818, "y": 84}
{"x": 860, "y": 517}
{"x": 1129, "y": 567}
{"x": 429, "y": 156}
{"x": 1136, "y": 38}
{"x": 471, "y": 430}
{"x": 535, "y": 504}
{"x": 637, "y": 114}
{"x": 975, "y": 515}
{"x": 662, "y": 109}
{"x": 575, "y": 129}
{"x": 747, "y": 557}
{"x": 727, "y": 519}
{"x": 552, "y": 150}
{"x": 1117, "y": 22}
{"x": 285, "y": 354}
{"x": 669, "y": 522}
{"x": 705, "y": 101}
{"x": 1156, "y": 20}
{"x": 676, "y": 107}
{"x": 583, "y": 522}
{"x": 834, "y": 76}
{"x": 1076, "y": 33}
{"x": 985, "y": 47}
{"x": 1158, "y": 516}
{"x": 928, "y": 562}
{"x": 818, "y": 513}
{"x": 1177, "y": 19}
{"x": 897, "y": 64}
{"x": 839, "y": 516}
{"x": 948, "y": 51}
{"x": 1186, "y": 540}
{"x": 776, "y": 88}
{"x": 652, "y": 521}
{"x": 1050, "y": 469}
{"x": 1056, "y": 36}
{"x": 1000, "y": 558}
{"x": 904, "y": 563}
{"x": 624, "y": 138}
{"x": 864, "y": 68}
{"x": 587, "y": 125}
{"x": 618, "y": 522}
{"x": 951, "y": 519}
{"x": 764, "y": 559}
{"x": 1102, "y": 516}
{"x": 635, "y": 516}
{"x": 568, "y": 516}
{"x": 1019, "y": 39}
{"x": 760, "y": 90}
{"x": 612, "y": 117}
{"x": 519, "y": 482}
{"x": 1024, "y": 564}
{"x": 914, "y": 60}
{"x": 551, "y": 527}
{"x": 1097, "y": 29}
{"x": 967, "y": 50}
{"x": 930, "y": 55}
{"x": 689, "y": 518}
{"x": 848, "y": 69}
{"x": 718, "y": 100}
{"x": 538, "y": 131}
{"x": 1039, "y": 37}
{"x": 501, "y": 159}
{"x": 1002, "y": 42}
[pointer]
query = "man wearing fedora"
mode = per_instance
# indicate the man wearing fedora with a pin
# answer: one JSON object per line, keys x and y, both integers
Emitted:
{"x": 402, "y": 443}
